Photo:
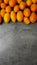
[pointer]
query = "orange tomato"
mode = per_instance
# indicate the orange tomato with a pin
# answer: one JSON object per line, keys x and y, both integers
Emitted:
{"x": 27, "y": 12}
{"x": 16, "y": 8}
{"x": 12, "y": 3}
{"x": 6, "y": 1}
{"x": 8, "y": 9}
{"x": 3, "y": 12}
{"x": 22, "y": 5}
{"x": 20, "y": 16}
{"x": 13, "y": 16}
{"x": 3, "y": 5}
{"x": 34, "y": 1}
{"x": 34, "y": 7}
{"x": 26, "y": 20}
{"x": 19, "y": 1}
{"x": 29, "y": 2}
{"x": 6, "y": 17}
{"x": 33, "y": 17}
{"x": 0, "y": 19}
{"x": 0, "y": 2}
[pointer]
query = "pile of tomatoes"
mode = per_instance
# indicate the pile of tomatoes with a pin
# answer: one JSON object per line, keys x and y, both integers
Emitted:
{"x": 18, "y": 10}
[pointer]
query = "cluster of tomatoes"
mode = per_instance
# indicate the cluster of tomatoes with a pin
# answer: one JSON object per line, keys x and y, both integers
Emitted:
{"x": 20, "y": 10}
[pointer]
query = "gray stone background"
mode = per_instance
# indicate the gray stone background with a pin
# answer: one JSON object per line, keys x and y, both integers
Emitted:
{"x": 18, "y": 44}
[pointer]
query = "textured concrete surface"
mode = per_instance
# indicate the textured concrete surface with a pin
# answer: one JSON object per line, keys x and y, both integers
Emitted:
{"x": 18, "y": 44}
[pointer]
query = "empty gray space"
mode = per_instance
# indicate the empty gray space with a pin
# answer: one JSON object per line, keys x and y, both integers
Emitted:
{"x": 18, "y": 44}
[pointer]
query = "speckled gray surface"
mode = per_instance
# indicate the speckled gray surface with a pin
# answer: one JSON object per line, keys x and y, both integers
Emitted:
{"x": 18, "y": 44}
